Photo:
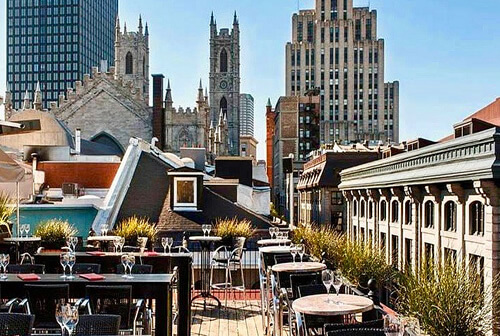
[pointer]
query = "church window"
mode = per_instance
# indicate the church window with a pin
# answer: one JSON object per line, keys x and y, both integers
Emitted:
{"x": 223, "y": 105}
{"x": 129, "y": 64}
{"x": 223, "y": 61}
{"x": 144, "y": 66}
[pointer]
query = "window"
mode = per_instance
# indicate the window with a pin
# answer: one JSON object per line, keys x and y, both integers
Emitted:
{"x": 394, "y": 211}
{"x": 450, "y": 216}
{"x": 355, "y": 208}
{"x": 223, "y": 60}
{"x": 408, "y": 252}
{"x": 428, "y": 252}
{"x": 129, "y": 64}
{"x": 337, "y": 198}
{"x": 382, "y": 241}
{"x": 370, "y": 209}
{"x": 429, "y": 214}
{"x": 383, "y": 210}
{"x": 407, "y": 212}
{"x": 223, "y": 105}
{"x": 363, "y": 206}
{"x": 144, "y": 66}
{"x": 476, "y": 264}
{"x": 185, "y": 192}
{"x": 476, "y": 218}
{"x": 395, "y": 251}
{"x": 450, "y": 255}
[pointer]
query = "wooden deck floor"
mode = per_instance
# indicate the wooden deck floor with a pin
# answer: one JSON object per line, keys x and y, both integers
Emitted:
{"x": 238, "y": 319}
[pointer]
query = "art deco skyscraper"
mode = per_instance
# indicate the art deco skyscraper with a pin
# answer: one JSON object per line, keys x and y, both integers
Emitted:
{"x": 335, "y": 48}
{"x": 56, "y": 43}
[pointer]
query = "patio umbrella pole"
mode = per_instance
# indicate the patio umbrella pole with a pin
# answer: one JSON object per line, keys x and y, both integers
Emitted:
{"x": 17, "y": 216}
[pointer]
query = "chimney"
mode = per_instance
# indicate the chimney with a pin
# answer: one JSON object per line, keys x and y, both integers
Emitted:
{"x": 158, "y": 115}
{"x": 78, "y": 141}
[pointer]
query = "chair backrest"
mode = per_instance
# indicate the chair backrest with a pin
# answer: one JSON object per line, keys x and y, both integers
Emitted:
{"x": 113, "y": 300}
{"x": 12, "y": 324}
{"x": 238, "y": 249}
{"x": 283, "y": 258}
{"x": 303, "y": 279}
{"x": 311, "y": 290}
{"x": 180, "y": 249}
{"x": 94, "y": 325}
{"x": 26, "y": 269}
{"x": 85, "y": 268}
{"x": 42, "y": 301}
{"x": 357, "y": 332}
{"x": 137, "y": 269}
{"x": 377, "y": 324}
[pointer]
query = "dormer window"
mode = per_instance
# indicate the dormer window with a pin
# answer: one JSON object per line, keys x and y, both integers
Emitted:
{"x": 185, "y": 193}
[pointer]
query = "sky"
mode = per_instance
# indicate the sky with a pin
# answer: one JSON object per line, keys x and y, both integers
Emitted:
{"x": 444, "y": 53}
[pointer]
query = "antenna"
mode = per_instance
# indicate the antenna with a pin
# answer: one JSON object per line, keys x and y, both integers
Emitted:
{"x": 298, "y": 6}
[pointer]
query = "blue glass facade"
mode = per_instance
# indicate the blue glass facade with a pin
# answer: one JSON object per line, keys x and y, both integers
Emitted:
{"x": 56, "y": 42}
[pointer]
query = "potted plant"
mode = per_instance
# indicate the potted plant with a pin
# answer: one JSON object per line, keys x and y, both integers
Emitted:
{"x": 134, "y": 227}
{"x": 54, "y": 233}
{"x": 6, "y": 211}
{"x": 229, "y": 229}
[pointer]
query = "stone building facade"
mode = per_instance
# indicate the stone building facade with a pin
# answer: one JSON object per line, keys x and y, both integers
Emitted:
{"x": 335, "y": 48}
{"x": 434, "y": 201}
{"x": 225, "y": 79}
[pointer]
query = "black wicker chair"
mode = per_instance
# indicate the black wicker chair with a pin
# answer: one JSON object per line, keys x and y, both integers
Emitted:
{"x": 137, "y": 269}
{"x": 117, "y": 300}
{"x": 311, "y": 290}
{"x": 303, "y": 279}
{"x": 377, "y": 324}
{"x": 94, "y": 325}
{"x": 26, "y": 269}
{"x": 12, "y": 324}
{"x": 357, "y": 332}
{"x": 316, "y": 322}
{"x": 42, "y": 301}
{"x": 85, "y": 268}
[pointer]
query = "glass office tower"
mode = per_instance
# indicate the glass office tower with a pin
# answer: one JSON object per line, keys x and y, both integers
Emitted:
{"x": 56, "y": 42}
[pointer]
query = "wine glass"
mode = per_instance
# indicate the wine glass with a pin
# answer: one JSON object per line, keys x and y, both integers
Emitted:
{"x": 271, "y": 231}
{"x": 337, "y": 282}
{"x": 74, "y": 242}
{"x": 275, "y": 233}
{"x": 5, "y": 263}
{"x": 3, "y": 267}
{"x": 170, "y": 242}
{"x": 71, "y": 263}
{"x": 327, "y": 278}
{"x": 27, "y": 229}
{"x": 293, "y": 251}
{"x": 204, "y": 229}
{"x": 63, "y": 259}
{"x": 71, "y": 318}
{"x": 130, "y": 264}
{"x": 122, "y": 243}
{"x": 61, "y": 316}
{"x": 164, "y": 243}
{"x": 301, "y": 250}
{"x": 209, "y": 228}
{"x": 124, "y": 260}
{"x": 116, "y": 244}
{"x": 104, "y": 229}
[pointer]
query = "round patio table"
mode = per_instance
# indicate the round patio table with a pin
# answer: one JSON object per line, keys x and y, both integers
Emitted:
{"x": 205, "y": 243}
{"x": 299, "y": 267}
{"x": 271, "y": 242}
{"x": 102, "y": 238}
{"x": 274, "y": 249}
{"x": 332, "y": 305}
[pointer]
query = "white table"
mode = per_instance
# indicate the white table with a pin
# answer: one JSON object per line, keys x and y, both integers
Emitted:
{"x": 271, "y": 242}
{"x": 332, "y": 305}
{"x": 102, "y": 238}
{"x": 299, "y": 267}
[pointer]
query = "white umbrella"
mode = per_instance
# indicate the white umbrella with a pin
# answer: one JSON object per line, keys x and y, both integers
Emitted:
{"x": 10, "y": 171}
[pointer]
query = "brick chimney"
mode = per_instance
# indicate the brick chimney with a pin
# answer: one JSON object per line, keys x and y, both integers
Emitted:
{"x": 158, "y": 115}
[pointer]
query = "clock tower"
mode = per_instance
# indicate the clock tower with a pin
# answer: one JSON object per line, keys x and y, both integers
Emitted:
{"x": 225, "y": 80}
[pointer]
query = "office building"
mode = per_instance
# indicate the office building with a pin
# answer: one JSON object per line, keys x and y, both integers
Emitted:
{"x": 246, "y": 114}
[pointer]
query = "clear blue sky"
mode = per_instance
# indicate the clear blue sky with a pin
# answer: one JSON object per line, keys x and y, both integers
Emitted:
{"x": 446, "y": 53}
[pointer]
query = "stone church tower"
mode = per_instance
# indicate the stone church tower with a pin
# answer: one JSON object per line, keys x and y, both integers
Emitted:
{"x": 132, "y": 57}
{"x": 225, "y": 80}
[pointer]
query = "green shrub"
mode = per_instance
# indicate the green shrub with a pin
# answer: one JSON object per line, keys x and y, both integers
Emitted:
{"x": 134, "y": 227}
{"x": 6, "y": 208}
{"x": 233, "y": 227}
{"x": 447, "y": 299}
{"x": 55, "y": 231}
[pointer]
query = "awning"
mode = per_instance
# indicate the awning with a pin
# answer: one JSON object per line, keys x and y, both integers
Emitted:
{"x": 10, "y": 171}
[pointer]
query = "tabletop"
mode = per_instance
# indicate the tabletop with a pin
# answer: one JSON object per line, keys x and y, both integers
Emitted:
{"x": 22, "y": 239}
{"x": 342, "y": 304}
{"x": 109, "y": 278}
{"x": 267, "y": 242}
{"x": 119, "y": 254}
{"x": 205, "y": 238}
{"x": 102, "y": 238}
{"x": 274, "y": 249}
{"x": 299, "y": 267}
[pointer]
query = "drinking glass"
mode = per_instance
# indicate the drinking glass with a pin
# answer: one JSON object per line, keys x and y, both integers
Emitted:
{"x": 61, "y": 316}
{"x": 74, "y": 242}
{"x": 71, "y": 263}
{"x": 271, "y": 231}
{"x": 337, "y": 283}
{"x": 71, "y": 318}
{"x": 116, "y": 244}
{"x": 170, "y": 242}
{"x": 293, "y": 252}
{"x": 204, "y": 229}
{"x": 122, "y": 243}
{"x": 130, "y": 264}
{"x": 27, "y": 229}
{"x": 209, "y": 228}
{"x": 275, "y": 233}
{"x": 104, "y": 229}
{"x": 327, "y": 278}
{"x": 5, "y": 263}
{"x": 63, "y": 259}
{"x": 301, "y": 250}
{"x": 124, "y": 260}
{"x": 164, "y": 244}
{"x": 3, "y": 267}
{"x": 21, "y": 230}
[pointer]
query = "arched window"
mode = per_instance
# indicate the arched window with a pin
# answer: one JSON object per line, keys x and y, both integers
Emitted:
{"x": 370, "y": 209}
{"x": 383, "y": 210}
{"x": 354, "y": 208}
{"x": 184, "y": 139}
{"x": 394, "y": 211}
{"x": 429, "y": 214}
{"x": 144, "y": 66}
{"x": 407, "y": 212}
{"x": 129, "y": 64}
{"x": 450, "y": 216}
{"x": 223, "y": 105}
{"x": 476, "y": 218}
{"x": 223, "y": 60}
{"x": 362, "y": 208}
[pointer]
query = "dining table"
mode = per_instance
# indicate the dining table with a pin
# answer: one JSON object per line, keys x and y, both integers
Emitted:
{"x": 22, "y": 243}
{"x": 156, "y": 287}
{"x": 332, "y": 305}
{"x": 273, "y": 242}
{"x": 298, "y": 267}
